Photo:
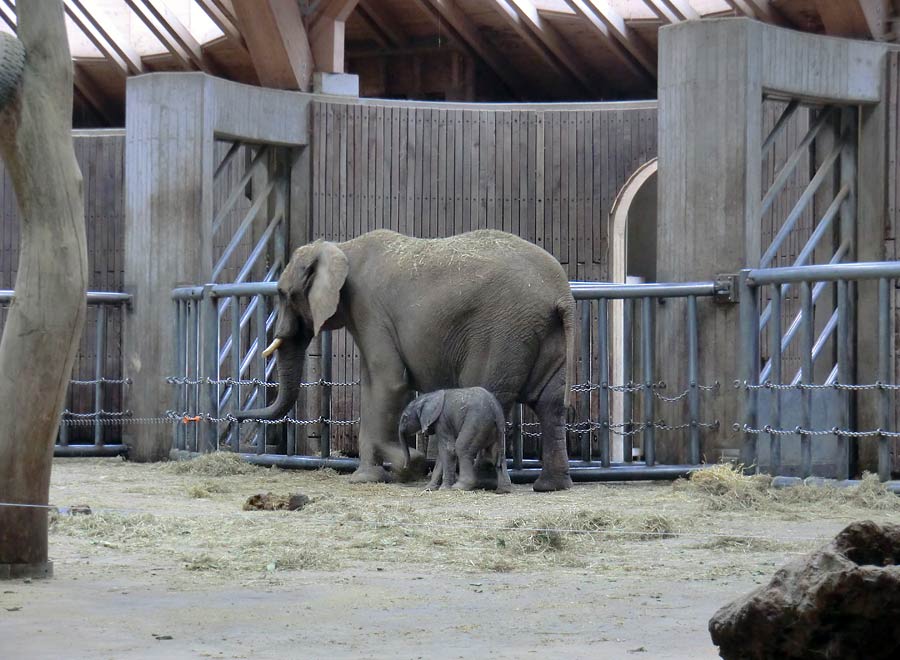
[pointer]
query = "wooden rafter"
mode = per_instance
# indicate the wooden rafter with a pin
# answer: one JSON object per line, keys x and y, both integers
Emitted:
{"x": 277, "y": 41}
{"x": 662, "y": 12}
{"x": 648, "y": 74}
{"x": 84, "y": 85}
{"x": 171, "y": 33}
{"x": 383, "y": 22}
{"x": 450, "y": 14}
{"x": 100, "y": 37}
{"x": 115, "y": 41}
{"x": 223, "y": 16}
{"x": 326, "y": 34}
{"x": 626, "y": 36}
{"x": 860, "y": 19}
{"x": 682, "y": 9}
{"x": 759, "y": 9}
{"x": 546, "y": 41}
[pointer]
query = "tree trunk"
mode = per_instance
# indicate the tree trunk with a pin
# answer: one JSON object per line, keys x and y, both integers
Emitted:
{"x": 47, "y": 315}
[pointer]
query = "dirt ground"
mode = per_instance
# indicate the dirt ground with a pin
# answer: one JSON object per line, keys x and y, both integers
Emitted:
{"x": 169, "y": 565}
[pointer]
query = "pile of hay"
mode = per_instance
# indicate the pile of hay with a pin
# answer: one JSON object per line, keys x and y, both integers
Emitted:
{"x": 216, "y": 464}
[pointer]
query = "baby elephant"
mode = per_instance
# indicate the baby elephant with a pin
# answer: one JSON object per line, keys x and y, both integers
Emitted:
{"x": 466, "y": 422}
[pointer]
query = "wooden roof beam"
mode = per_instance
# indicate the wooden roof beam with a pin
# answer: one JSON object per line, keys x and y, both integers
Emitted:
{"x": 176, "y": 33}
{"x": 546, "y": 41}
{"x": 277, "y": 40}
{"x": 85, "y": 23}
{"x": 625, "y": 35}
{"x": 383, "y": 22}
{"x": 682, "y": 9}
{"x": 83, "y": 84}
{"x": 326, "y": 34}
{"x": 100, "y": 25}
{"x": 608, "y": 35}
{"x": 860, "y": 19}
{"x": 759, "y": 9}
{"x": 662, "y": 12}
{"x": 448, "y": 12}
{"x": 223, "y": 16}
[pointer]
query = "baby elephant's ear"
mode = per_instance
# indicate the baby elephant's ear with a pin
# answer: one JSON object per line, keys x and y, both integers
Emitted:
{"x": 431, "y": 409}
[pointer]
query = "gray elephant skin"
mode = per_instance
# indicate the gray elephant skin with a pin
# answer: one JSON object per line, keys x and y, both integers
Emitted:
{"x": 467, "y": 422}
{"x": 485, "y": 308}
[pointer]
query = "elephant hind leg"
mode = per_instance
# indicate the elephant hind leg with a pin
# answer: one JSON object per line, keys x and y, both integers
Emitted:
{"x": 551, "y": 413}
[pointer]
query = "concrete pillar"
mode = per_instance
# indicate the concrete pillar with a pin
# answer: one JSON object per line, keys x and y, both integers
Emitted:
{"x": 172, "y": 123}
{"x": 712, "y": 79}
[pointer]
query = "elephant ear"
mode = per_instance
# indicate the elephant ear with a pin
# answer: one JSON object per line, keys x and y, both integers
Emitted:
{"x": 431, "y": 409}
{"x": 329, "y": 274}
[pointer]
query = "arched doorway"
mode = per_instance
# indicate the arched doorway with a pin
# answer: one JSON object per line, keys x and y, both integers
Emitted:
{"x": 632, "y": 259}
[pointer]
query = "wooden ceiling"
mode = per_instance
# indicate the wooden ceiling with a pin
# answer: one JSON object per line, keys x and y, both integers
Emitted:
{"x": 477, "y": 50}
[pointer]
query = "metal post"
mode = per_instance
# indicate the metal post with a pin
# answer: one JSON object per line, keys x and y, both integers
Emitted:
{"x": 179, "y": 372}
{"x": 193, "y": 372}
{"x": 807, "y": 334}
{"x": 236, "y": 371}
{"x": 325, "y": 439}
{"x": 628, "y": 378}
{"x": 844, "y": 376}
{"x": 693, "y": 380}
{"x": 262, "y": 430}
{"x": 749, "y": 348}
{"x": 584, "y": 398}
{"x": 99, "y": 369}
{"x": 775, "y": 352}
{"x": 647, "y": 360}
{"x": 603, "y": 377}
{"x": 210, "y": 365}
{"x": 519, "y": 441}
{"x": 884, "y": 376}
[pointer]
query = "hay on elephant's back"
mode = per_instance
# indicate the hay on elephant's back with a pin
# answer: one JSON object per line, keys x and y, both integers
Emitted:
{"x": 483, "y": 244}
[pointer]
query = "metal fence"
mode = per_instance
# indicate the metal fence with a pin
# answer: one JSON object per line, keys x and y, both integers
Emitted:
{"x": 809, "y": 414}
{"x": 219, "y": 369}
{"x": 102, "y": 420}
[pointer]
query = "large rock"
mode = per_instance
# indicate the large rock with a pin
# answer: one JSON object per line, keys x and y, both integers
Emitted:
{"x": 842, "y": 601}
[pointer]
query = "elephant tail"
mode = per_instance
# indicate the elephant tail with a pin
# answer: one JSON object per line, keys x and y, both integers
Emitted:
{"x": 500, "y": 421}
{"x": 566, "y": 309}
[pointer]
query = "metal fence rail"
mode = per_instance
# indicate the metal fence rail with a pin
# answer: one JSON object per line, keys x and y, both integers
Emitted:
{"x": 820, "y": 340}
{"x": 219, "y": 369}
{"x": 99, "y": 419}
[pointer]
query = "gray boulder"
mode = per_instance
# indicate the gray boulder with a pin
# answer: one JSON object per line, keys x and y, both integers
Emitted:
{"x": 842, "y": 601}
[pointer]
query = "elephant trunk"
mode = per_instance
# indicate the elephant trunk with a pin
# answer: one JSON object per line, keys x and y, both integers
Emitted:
{"x": 289, "y": 360}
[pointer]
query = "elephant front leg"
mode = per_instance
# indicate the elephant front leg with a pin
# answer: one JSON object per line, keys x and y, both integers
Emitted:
{"x": 437, "y": 474}
{"x": 383, "y": 399}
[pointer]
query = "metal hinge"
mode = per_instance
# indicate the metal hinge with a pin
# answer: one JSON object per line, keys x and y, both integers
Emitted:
{"x": 727, "y": 289}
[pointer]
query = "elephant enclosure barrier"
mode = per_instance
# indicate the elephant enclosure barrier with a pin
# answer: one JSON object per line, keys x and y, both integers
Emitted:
{"x": 219, "y": 369}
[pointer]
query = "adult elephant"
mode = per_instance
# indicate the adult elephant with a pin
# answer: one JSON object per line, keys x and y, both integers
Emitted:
{"x": 485, "y": 308}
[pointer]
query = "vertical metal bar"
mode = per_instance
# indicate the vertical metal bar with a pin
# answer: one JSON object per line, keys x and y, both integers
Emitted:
{"x": 325, "y": 439}
{"x": 647, "y": 360}
{"x": 627, "y": 378}
{"x": 884, "y": 376}
{"x": 179, "y": 372}
{"x": 63, "y": 431}
{"x": 603, "y": 377}
{"x": 584, "y": 398}
{"x": 693, "y": 380}
{"x": 210, "y": 366}
{"x": 193, "y": 373}
{"x": 775, "y": 353}
{"x": 749, "y": 350}
{"x": 261, "y": 390}
{"x": 236, "y": 371}
{"x": 519, "y": 441}
{"x": 844, "y": 376}
{"x": 99, "y": 368}
{"x": 807, "y": 333}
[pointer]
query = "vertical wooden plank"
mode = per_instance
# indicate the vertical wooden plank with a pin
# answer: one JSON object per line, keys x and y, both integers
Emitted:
{"x": 412, "y": 221}
{"x": 496, "y": 189}
{"x": 399, "y": 186}
{"x": 459, "y": 167}
{"x": 444, "y": 157}
{"x": 557, "y": 220}
{"x": 372, "y": 168}
{"x": 395, "y": 169}
{"x": 525, "y": 191}
{"x": 427, "y": 174}
{"x": 508, "y": 165}
{"x": 420, "y": 181}
{"x": 515, "y": 164}
{"x": 341, "y": 230}
{"x": 580, "y": 244}
{"x": 430, "y": 136}
{"x": 587, "y": 239}
{"x": 380, "y": 202}
{"x": 540, "y": 182}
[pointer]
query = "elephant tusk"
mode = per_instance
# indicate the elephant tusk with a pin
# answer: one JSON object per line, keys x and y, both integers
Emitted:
{"x": 271, "y": 348}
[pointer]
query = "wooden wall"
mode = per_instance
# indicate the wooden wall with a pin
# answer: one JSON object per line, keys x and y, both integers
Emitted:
{"x": 549, "y": 175}
{"x": 100, "y": 155}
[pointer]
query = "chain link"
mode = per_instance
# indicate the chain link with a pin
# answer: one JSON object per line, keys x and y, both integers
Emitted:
{"x": 769, "y": 385}
{"x": 798, "y": 430}
{"x": 253, "y": 382}
{"x": 96, "y": 413}
{"x": 110, "y": 381}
